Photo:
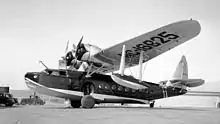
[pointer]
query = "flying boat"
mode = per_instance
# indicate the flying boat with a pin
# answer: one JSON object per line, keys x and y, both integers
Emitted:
{"x": 87, "y": 74}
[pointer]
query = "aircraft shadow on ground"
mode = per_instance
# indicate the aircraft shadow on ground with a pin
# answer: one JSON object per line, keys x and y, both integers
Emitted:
{"x": 155, "y": 108}
{"x": 11, "y": 107}
{"x": 135, "y": 108}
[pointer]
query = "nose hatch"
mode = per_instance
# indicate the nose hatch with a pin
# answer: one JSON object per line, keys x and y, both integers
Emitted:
{"x": 33, "y": 76}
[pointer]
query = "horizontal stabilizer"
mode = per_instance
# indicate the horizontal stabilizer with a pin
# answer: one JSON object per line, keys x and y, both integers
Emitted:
{"x": 194, "y": 82}
{"x": 187, "y": 82}
{"x": 202, "y": 93}
{"x": 180, "y": 77}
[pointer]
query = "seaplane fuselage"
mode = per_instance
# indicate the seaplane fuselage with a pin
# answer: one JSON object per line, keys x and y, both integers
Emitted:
{"x": 73, "y": 85}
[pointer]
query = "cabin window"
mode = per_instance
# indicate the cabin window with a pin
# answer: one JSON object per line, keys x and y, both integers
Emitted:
{"x": 141, "y": 90}
{"x": 101, "y": 86}
{"x": 126, "y": 89}
{"x": 146, "y": 90}
{"x": 120, "y": 88}
{"x": 133, "y": 90}
{"x": 113, "y": 87}
{"x": 106, "y": 86}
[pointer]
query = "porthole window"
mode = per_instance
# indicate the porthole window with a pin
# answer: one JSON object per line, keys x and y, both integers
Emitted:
{"x": 101, "y": 86}
{"x": 106, "y": 86}
{"x": 146, "y": 90}
{"x": 126, "y": 89}
{"x": 120, "y": 88}
{"x": 113, "y": 87}
{"x": 133, "y": 90}
{"x": 141, "y": 90}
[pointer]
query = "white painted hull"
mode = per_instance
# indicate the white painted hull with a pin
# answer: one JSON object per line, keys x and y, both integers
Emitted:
{"x": 76, "y": 95}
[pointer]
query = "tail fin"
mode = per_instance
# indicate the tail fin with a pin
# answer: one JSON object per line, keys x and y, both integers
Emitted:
{"x": 181, "y": 70}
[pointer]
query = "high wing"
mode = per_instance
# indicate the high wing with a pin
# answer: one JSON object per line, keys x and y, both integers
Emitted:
{"x": 152, "y": 43}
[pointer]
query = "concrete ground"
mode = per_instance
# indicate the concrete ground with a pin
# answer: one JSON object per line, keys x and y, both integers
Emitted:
{"x": 59, "y": 114}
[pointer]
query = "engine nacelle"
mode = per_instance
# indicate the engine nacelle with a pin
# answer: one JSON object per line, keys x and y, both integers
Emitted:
{"x": 85, "y": 52}
{"x": 70, "y": 61}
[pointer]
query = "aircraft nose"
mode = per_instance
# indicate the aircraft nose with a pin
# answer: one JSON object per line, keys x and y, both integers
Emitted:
{"x": 31, "y": 77}
{"x": 202, "y": 81}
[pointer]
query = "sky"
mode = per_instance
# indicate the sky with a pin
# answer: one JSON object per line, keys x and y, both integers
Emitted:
{"x": 33, "y": 30}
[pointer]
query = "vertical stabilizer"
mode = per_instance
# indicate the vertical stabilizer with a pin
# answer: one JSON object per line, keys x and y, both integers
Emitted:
{"x": 181, "y": 70}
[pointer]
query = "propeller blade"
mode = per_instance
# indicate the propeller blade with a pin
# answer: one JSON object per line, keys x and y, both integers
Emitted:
{"x": 67, "y": 45}
{"x": 79, "y": 42}
{"x": 78, "y": 47}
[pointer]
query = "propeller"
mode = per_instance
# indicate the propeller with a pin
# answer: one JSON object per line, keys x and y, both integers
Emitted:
{"x": 68, "y": 56}
{"x": 79, "y": 45}
{"x": 67, "y": 45}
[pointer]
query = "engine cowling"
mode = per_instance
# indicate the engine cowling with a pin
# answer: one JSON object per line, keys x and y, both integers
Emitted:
{"x": 85, "y": 52}
{"x": 71, "y": 60}
{"x": 69, "y": 57}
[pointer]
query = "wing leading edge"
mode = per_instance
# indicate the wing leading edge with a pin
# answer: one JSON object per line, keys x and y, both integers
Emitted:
{"x": 152, "y": 43}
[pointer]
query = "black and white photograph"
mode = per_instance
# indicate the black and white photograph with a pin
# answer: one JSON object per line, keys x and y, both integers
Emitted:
{"x": 109, "y": 62}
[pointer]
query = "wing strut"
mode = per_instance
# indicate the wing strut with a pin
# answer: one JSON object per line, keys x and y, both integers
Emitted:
{"x": 122, "y": 63}
{"x": 124, "y": 80}
{"x": 140, "y": 66}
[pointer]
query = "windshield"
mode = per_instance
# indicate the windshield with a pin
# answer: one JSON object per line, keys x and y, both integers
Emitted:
{"x": 47, "y": 71}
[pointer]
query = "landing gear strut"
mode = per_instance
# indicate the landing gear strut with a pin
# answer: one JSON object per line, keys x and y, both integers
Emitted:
{"x": 152, "y": 104}
{"x": 87, "y": 100}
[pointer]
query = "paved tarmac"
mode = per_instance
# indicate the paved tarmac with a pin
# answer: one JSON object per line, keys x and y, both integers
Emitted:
{"x": 54, "y": 114}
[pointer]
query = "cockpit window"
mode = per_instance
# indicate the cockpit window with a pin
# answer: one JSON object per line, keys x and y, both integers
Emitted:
{"x": 47, "y": 71}
{"x": 55, "y": 73}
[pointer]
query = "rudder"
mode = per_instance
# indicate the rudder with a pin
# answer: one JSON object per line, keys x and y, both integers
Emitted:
{"x": 181, "y": 70}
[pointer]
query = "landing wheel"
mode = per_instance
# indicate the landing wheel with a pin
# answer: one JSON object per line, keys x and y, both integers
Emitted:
{"x": 152, "y": 104}
{"x": 88, "y": 101}
{"x": 75, "y": 104}
{"x": 218, "y": 105}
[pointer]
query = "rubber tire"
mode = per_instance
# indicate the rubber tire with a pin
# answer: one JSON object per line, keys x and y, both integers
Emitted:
{"x": 75, "y": 104}
{"x": 152, "y": 105}
{"x": 218, "y": 105}
{"x": 87, "y": 101}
